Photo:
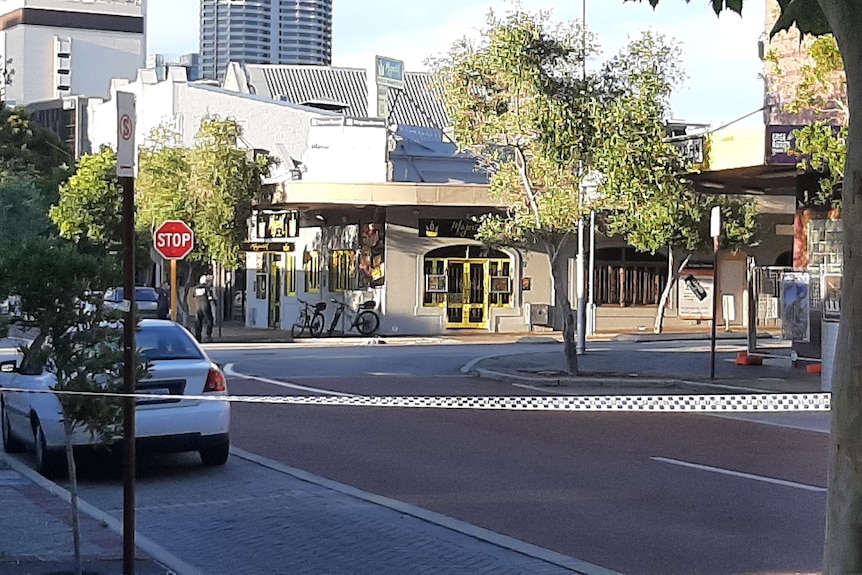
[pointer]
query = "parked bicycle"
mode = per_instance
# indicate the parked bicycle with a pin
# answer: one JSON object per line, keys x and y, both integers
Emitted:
{"x": 310, "y": 318}
{"x": 366, "y": 321}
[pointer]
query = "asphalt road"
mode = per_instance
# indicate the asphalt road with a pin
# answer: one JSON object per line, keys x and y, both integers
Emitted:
{"x": 658, "y": 494}
{"x": 617, "y": 490}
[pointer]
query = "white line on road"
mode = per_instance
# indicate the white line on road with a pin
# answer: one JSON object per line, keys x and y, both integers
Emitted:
{"x": 228, "y": 369}
{"x": 742, "y": 475}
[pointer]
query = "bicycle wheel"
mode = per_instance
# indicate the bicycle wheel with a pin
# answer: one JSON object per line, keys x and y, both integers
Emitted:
{"x": 317, "y": 325}
{"x": 297, "y": 329}
{"x": 367, "y": 322}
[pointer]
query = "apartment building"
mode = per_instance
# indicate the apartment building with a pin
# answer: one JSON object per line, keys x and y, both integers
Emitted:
{"x": 264, "y": 32}
{"x": 59, "y": 48}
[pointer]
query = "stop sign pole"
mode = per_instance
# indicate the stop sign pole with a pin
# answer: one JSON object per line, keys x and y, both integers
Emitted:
{"x": 174, "y": 240}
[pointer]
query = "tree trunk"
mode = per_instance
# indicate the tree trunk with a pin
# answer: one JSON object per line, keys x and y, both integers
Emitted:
{"x": 73, "y": 491}
{"x": 672, "y": 279}
{"x": 559, "y": 271}
{"x": 843, "y": 548}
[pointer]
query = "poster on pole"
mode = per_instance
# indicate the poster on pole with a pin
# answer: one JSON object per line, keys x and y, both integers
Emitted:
{"x": 795, "y": 306}
{"x": 695, "y": 294}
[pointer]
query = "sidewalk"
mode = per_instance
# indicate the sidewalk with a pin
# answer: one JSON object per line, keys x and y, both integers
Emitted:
{"x": 36, "y": 532}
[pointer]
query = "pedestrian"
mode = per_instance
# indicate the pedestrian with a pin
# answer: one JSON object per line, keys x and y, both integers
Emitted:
{"x": 163, "y": 304}
{"x": 203, "y": 298}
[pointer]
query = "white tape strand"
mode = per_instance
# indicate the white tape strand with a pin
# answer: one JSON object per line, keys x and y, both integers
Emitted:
{"x": 718, "y": 403}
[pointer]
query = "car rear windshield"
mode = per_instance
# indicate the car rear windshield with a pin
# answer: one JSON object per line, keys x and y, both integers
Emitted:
{"x": 168, "y": 342}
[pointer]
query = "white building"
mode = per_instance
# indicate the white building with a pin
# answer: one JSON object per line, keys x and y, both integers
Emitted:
{"x": 279, "y": 127}
{"x": 56, "y": 48}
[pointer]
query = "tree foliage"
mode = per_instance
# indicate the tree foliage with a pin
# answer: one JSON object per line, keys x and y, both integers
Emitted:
{"x": 523, "y": 101}
{"x": 91, "y": 202}
{"x": 75, "y": 335}
{"x": 212, "y": 186}
{"x": 23, "y": 214}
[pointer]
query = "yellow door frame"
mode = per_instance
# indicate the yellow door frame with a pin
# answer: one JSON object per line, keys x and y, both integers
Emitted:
{"x": 463, "y": 301}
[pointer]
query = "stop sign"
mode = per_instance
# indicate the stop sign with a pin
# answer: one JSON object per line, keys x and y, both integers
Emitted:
{"x": 174, "y": 240}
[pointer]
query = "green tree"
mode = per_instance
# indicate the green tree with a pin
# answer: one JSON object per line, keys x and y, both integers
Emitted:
{"x": 522, "y": 101}
{"x": 91, "y": 202}
{"x": 75, "y": 335}
{"x": 224, "y": 181}
{"x": 23, "y": 214}
{"x": 648, "y": 202}
{"x": 818, "y": 91}
{"x": 843, "y": 547}
{"x": 211, "y": 186}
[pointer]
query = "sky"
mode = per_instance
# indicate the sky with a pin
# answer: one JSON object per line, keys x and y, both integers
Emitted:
{"x": 719, "y": 53}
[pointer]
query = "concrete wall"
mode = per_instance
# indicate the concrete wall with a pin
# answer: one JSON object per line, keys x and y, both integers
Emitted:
{"x": 346, "y": 153}
{"x": 182, "y": 105}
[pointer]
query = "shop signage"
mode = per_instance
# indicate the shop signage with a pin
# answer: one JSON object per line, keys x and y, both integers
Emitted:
{"x": 274, "y": 225}
{"x": 267, "y": 247}
{"x": 781, "y": 145}
{"x": 390, "y": 72}
{"x": 444, "y": 228}
{"x": 690, "y": 148}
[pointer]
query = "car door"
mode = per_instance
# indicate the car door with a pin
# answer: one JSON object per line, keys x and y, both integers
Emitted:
{"x": 29, "y": 375}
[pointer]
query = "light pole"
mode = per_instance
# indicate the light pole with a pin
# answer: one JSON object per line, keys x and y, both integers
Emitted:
{"x": 581, "y": 343}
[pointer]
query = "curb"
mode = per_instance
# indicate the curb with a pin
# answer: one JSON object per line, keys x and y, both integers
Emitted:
{"x": 605, "y": 382}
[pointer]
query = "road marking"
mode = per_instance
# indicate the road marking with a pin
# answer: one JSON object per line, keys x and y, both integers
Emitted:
{"x": 742, "y": 475}
{"x": 228, "y": 369}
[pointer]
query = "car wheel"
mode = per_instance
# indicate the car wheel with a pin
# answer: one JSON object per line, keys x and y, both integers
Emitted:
{"x": 49, "y": 463}
{"x": 216, "y": 455}
{"x": 11, "y": 444}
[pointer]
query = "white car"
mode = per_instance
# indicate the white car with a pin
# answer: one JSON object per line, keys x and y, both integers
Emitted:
{"x": 168, "y": 423}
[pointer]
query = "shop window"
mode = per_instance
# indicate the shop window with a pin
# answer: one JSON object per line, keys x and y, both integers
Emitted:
{"x": 311, "y": 269}
{"x": 500, "y": 292}
{"x": 290, "y": 275}
{"x": 435, "y": 283}
{"x": 342, "y": 270}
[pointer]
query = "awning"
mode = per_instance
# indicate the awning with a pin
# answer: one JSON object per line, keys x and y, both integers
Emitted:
{"x": 770, "y": 180}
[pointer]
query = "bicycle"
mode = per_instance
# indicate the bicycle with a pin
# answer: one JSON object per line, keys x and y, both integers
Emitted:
{"x": 366, "y": 321}
{"x": 310, "y": 318}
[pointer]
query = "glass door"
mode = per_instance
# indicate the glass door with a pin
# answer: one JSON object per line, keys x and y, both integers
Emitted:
{"x": 274, "y": 293}
{"x": 467, "y": 294}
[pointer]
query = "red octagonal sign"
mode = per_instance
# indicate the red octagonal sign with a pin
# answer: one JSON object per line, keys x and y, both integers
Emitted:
{"x": 174, "y": 240}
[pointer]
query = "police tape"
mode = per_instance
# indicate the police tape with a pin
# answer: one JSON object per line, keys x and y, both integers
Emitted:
{"x": 709, "y": 403}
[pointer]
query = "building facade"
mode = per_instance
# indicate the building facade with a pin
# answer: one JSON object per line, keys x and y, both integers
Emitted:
{"x": 52, "y": 49}
{"x": 264, "y": 32}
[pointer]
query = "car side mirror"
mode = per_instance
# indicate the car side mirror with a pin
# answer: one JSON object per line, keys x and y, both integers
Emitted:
{"x": 10, "y": 366}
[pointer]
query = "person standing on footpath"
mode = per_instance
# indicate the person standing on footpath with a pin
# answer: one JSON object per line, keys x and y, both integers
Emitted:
{"x": 203, "y": 298}
{"x": 163, "y": 304}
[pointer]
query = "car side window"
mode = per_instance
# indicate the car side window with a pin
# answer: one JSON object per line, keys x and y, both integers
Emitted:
{"x": 34, "y": 360}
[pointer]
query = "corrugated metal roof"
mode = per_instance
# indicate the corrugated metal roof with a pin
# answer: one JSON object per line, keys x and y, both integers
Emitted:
{"x": 417, "y": 105}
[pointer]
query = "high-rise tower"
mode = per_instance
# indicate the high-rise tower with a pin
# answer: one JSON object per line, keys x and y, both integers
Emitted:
{"x": 264, "y": 32}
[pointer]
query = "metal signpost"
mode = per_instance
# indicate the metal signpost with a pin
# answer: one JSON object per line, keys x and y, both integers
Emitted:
{"x": 174, "y": 240}
{"x": 715, "y": 232}
{"x": 126, "y": 156}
